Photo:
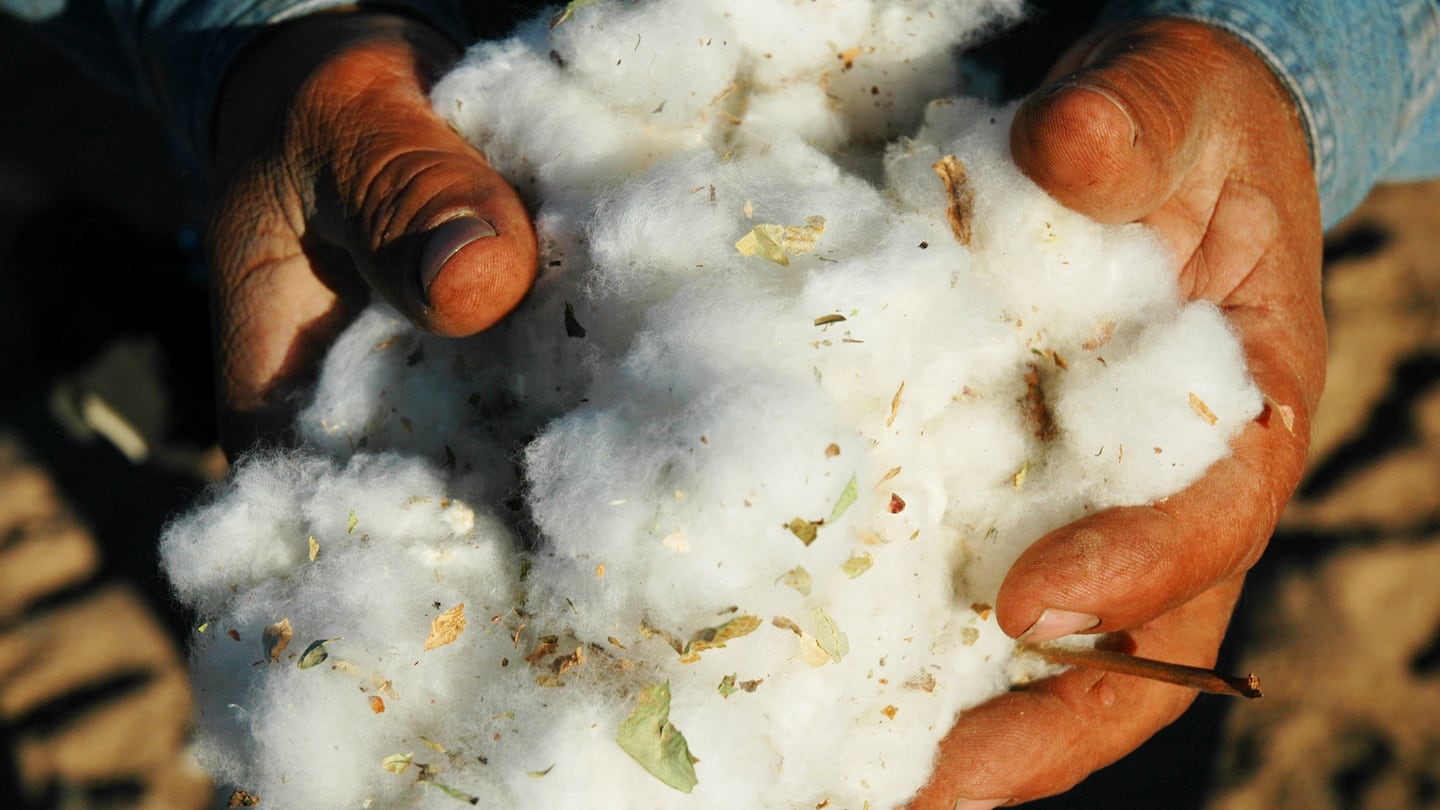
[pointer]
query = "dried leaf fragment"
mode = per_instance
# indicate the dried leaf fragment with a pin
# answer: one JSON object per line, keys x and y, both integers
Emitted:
{"x": 1201, "y": 409}
{"x": 961, "y": 197}
{"x": 315, "y": 654}
{"x": 895, "y": 404}
{"x": 787, "y": 623}
{"x": 923, "y": 682}
{"x": 377, "y": 704}
{"x": 275, "y": 638}
{"x": 545, "y": 646}
{"x": 715, "y": 637}
{"x": 565, "y": 663}
{"x": 799, "y": 579}
{"x": 314, "y": 548}
{"x": 825, "y": 320}
{"x": 779, "y": 242}
{"x": 897, "y": 503}
{"x": 649, "y": 737}
{"x": 727, "y": 686}
{"x": 890, "y": 711}
{"x": 803, "y": 529}
{"x": 1287, "y": 413}
{"x": 857, "y": 565}
{"x": 446, "y": 627}
{"x": 832, "y": 450}
{"x": 829, "y": 636}
{"x": 242, "y": 798}
{"x": 676, "y": 541}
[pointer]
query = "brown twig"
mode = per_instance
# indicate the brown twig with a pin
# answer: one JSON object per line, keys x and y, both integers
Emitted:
{"x": 1204, "y": 680}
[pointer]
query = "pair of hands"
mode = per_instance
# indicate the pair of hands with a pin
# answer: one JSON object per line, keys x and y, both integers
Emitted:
{"x": 333, "y": 175}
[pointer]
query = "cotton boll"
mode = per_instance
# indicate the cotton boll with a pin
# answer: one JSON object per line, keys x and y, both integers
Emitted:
{"x": 370, "y": 590}
{"x": 666, "y": 63}
{"x": 1175, "y": 392}
{"x": 259, "y": 515}
{"x": 779, "y": 465}
{"x": 571, "y": 138}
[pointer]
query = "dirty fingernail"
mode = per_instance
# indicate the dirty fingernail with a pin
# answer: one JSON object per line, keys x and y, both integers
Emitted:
{"x": 1054, "y": 624}
{"x": 444, "y": 242}
{"x": 979, "y": 804}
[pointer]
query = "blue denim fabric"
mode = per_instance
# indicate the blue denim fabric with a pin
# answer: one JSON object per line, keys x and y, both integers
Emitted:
{"x": 173, "y": 54}
{"x": 1364, "y": 73}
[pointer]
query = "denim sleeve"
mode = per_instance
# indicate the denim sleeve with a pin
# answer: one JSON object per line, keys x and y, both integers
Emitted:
{"x": 1365, "y": 74}
{"x": 173, "y": 54}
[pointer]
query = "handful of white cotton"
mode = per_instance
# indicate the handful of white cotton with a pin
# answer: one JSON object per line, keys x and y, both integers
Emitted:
{"x": 809, "y": 363}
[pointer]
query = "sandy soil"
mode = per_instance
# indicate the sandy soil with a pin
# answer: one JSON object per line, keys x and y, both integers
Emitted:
{"x": 1341, "y": 619}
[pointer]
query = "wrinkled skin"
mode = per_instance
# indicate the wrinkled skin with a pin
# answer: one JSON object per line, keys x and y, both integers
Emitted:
{"x": 333, "y": 175}
{"x": 332, "y": 172}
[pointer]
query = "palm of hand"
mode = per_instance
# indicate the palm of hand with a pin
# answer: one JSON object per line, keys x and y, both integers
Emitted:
{"x": 1181, "y": 127}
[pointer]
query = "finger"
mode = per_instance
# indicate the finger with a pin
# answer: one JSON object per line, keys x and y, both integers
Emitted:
{"x": 1113, "y": 137}
{"x": 331, "y": 166}
{"x": 1044, "y": 739}
{"x": 426, "y": 221}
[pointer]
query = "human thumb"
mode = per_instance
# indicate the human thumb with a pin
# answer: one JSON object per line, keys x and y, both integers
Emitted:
{"x": 1113, "y": 132}
{"x": 425, "y": 219}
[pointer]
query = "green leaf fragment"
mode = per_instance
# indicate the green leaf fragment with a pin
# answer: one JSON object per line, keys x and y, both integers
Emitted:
{"x": 651, "y": 740}
{"x": 857, "y": 565}
{"x": 847, "y": 497}
{"x": 829, "y": 636}
{"x": 539, "y": 774}
{"x": 452, "y": 792}
{"x": 351, "y": 523}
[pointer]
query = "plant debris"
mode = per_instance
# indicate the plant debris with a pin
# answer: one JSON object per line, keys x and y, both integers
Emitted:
{"x": 275, "y": 638}
{"x": 961, "y": 209}
{"x": 779, "y": 242}
{"x": 649, "y": 737}
{"x": 1201, "y": 409}
{"x": 446, "y": 627}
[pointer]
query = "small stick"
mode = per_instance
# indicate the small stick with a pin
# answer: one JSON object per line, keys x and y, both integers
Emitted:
{"x": 1204, "y": 680}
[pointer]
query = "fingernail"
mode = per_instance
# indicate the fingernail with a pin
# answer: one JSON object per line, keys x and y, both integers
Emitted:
{"x": 444, "y": 242}
{"x": 1054, "y": 624}
{"x": 979, "y": 804}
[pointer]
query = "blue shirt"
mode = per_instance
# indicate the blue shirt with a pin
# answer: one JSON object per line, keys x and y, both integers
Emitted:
{"x": 1364, "y": 73}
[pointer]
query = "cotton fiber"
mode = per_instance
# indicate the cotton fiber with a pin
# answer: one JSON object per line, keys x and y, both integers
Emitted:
{"x": 716, "y": 518}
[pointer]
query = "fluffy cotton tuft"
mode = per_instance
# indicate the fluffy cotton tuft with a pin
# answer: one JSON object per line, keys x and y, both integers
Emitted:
{"x": 784, "y": 481}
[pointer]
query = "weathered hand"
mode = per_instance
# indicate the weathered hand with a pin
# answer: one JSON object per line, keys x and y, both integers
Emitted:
{"x": 334, "y": 175}
{"x": 1183, "y": 127}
